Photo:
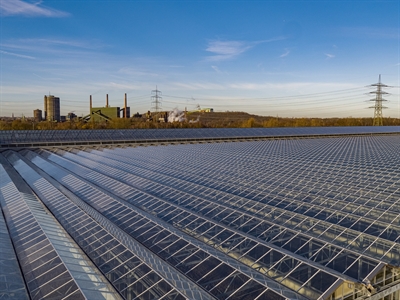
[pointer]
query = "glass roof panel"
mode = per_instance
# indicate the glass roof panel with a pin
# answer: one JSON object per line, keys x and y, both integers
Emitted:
{"x": 262, "y": 209}
{"x": 49, "y": 136}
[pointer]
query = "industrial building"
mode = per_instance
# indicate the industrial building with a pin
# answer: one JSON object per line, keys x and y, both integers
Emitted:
{"x": 202, "y": 110}
{"x": 241, "y": 213}
{"x": 71, "y": 116}
{"x": 37, "y": 115}
{"x": 52, "y": 108}
{"x": 107, "y": 112}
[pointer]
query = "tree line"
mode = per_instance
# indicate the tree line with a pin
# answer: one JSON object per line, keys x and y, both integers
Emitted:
{"x": 209, "y": 120}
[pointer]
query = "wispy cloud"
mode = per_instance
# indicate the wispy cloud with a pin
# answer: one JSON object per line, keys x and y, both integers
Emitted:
{"x": 372, "y": 33}
{"x": 191, "y": 86}
{"x": 51, "y": 48}
{"x": 329, "y": 56}
{"x": 17, "y": 55}
{"x": 125, "y": 86}
{"x": 47, "y": 78}
{"x": 137, "y": 72}
{"x": 289, "y": 87}
{"x": 19, "y": 7}
{"x": 216, "y": 69}
{"x": 176, "y": 66}
{"x": 48, "y": 43}
{"x": 286, "y": 53}
{"x": 225, "y": 50}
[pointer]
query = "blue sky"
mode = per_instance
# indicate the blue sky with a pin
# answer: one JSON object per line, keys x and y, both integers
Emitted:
{"x": 288, "y": 58}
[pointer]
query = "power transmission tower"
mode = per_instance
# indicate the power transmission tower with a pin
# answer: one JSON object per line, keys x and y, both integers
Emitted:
{"x": 156, "y": 99}
{"x": 378, "y": 118}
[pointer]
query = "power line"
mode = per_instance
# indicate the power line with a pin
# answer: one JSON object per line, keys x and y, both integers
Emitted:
{"x": 281, "y": 97}
{"x": 314, "y": 102}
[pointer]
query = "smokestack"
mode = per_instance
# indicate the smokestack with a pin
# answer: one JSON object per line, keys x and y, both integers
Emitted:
{"x": 106, "y": 100}
{"x": 90, "y": 111}
{"x": 125, "y": 106}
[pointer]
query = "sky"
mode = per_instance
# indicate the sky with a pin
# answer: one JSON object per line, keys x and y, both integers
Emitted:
{"x": 288, "y": 58}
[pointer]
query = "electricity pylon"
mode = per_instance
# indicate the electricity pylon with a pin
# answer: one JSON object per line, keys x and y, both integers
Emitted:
{"x": 156, "y": 99}
{"x": 378, "y": 118}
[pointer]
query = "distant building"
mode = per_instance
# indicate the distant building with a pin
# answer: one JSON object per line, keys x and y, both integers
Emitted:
{"x": 128, "y": 112}
{"x": 52, "y": 108}
{"x": 71, "y": 116}
{"x": 37, "y": 115}
{"x": 202, "y": 110}
{"x": 107, "y": 113}
{"x": 104, "y": 113}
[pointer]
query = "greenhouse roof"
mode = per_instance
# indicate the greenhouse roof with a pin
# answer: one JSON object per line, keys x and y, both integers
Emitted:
{"x": 25, "y": 138}
{"x": 311, "y": 218}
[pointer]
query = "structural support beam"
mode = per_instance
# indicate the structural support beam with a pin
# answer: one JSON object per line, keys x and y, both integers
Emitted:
{"x": 385, "y": 293}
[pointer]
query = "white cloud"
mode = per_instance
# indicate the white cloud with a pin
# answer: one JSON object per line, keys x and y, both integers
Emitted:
{"x": 286, "y": 53}
{"x": 52, "y": 78}
{"x": 127, "y": 86}
{"x": 136, "y": 72}
{"x": 17, "y": 55}
{"x": 19, "y": 7}
{"x": 41, "y": 44}
{"x": 329, "y": 56}
{"x": 289, "y": 87}
{"x": 371, "y": 33}
{"x": 215, "y": 68}
{"x": 293, "y": 87}
{"x": 191, "y": 86}
{"x": 176, "y": 66}
{"x": 224, "y": 50}
{"x": 57, "y": 51}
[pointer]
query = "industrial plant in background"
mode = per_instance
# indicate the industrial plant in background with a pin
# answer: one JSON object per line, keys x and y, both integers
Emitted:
{"x": 96, "y": 114}
{"x": 102, "y": 115}
{"x": 107, "y": 113}
{"x": 37, "y": 115}
{"x": 52, "y": 108}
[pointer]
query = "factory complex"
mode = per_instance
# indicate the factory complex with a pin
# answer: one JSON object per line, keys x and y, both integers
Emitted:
{"x": 52, "y": 106}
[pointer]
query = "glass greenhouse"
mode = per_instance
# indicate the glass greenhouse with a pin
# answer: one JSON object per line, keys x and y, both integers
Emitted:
{"x": 289, "y": 213}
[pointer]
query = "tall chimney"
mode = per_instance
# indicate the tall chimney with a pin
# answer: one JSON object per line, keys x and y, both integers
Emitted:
{"x": 90, "y": 104}
{"x": 125, "y": 106}
{"x": 106, "y": 100}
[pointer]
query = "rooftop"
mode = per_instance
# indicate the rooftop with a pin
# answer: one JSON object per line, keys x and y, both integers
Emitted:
{"x": 292, "y": 213}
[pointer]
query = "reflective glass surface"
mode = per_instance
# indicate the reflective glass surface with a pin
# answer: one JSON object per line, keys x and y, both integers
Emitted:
{"x": 27, "y": 137}
{"x": 274, "y": 219}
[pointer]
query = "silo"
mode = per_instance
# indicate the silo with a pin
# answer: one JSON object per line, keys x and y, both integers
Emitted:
{"x": 37, "y": 115}
{"x": 52, "y": 108}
